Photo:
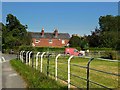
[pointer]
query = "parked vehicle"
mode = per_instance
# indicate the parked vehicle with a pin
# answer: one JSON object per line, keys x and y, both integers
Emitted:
{"x": 74, "y": 51}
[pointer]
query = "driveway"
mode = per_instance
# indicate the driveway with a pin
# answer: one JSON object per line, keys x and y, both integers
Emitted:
{"x": 10, "y": 78}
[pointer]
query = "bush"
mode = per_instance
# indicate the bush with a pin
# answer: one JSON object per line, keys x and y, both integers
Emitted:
{"x": 48, "y": 49}
{"x": 26, "y": 48}
{"x": 41, "y": 49}
{"x": 110, "y": 55}
{"x": 100, "y": 49}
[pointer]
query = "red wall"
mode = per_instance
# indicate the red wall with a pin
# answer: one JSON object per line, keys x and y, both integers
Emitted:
{"x": 45, "y": 42}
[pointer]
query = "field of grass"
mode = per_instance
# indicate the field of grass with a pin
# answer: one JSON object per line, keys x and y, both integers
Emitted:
{"x": 34, "y": 78}
{"x": 104, "y": 79}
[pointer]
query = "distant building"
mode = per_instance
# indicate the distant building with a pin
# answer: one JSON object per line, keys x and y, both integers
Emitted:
{"x": 47, "y": 39}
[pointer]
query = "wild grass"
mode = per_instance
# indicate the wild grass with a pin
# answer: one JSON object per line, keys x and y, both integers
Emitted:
{"x": 104, "y": 79}
{"x": 34, "y": 78}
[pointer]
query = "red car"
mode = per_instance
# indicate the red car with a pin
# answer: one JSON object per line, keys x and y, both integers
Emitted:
{"x": 72, "y": 51}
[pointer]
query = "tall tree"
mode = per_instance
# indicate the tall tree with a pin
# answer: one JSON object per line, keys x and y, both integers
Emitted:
{"x": 76, "y": 41}
{"x": 107, "y": 34}
{"x": 94, "y": 39}
{"x": 110, "y": 27}
{"x": 14, "y": 33}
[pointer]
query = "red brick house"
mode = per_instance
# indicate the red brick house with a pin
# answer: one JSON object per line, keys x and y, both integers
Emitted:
{"x": 46, "y": 39}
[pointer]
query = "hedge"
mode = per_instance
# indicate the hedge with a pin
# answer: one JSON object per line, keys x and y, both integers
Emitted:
{"x": 100, "y": 49}
{"x": 41, "y": 49}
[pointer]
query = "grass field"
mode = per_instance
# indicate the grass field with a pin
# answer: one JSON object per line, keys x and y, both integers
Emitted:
{"x": 35, "y": 79}
{"x": 104, "y": 79}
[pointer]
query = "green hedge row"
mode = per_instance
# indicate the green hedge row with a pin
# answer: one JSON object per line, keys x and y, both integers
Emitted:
{"x": 100, "y": 49}
{"x": 41, "y": 49}
{"x": 45, "y": 49}
{"x": 26, "y": 48}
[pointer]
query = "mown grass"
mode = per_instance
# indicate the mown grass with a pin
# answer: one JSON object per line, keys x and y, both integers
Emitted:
{"x": 34, "y": 78}
{"x": 104, "y": 79}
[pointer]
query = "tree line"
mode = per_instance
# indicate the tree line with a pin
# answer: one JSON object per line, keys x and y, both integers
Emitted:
{"x": 14, "y": 34}
{"x": 107, "y": 35}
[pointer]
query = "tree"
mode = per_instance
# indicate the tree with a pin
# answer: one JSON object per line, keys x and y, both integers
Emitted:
{"x": 84, "y": 44}
{"x": 76, "y": 41}
{"x": 14, "y": 33}
{"x": 94, "y": 39}
{"x": 107, "y": 34}
{"x": 110, "y": 27}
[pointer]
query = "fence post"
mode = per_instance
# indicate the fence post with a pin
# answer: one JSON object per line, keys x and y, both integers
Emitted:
{"x": 88, "y": 64}
{"x": 22, "y": 55}
{"x": 56, "y": 66}
{"x": 42, "y": 60}
{"x": 17, "y": 55}
{"x": 69, "y": 71}
{"x": 32, "y": 59}
{"x": 37, "y": 60}
{"x": 48, "y": 64}
{"x": 29, "y": 57}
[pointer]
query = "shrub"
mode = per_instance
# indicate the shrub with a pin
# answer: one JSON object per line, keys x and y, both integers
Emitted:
{"x": 26, "y": 48}
{"x": 50, "y": 49}
{"x": 100, "y": 49}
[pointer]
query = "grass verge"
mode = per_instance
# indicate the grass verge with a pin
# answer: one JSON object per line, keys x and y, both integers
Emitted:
{"x": 34, "y": 78}
{"x": 101, "y": 78}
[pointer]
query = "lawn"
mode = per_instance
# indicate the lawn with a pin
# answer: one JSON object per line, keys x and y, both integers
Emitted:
{"x": 104, "y": 79}
{"x": 35, "y": 79}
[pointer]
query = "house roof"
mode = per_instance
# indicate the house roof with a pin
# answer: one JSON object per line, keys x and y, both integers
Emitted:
{"x": 50, "y": 35}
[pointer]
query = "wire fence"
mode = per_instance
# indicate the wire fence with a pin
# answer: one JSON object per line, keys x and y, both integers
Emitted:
{"x": 60, "y": 67}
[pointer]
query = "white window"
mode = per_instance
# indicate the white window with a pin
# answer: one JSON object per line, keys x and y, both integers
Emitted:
{"x": 37, "y": 41}
{"x": 63, "y": 41}
{"x": 50, "y": 41}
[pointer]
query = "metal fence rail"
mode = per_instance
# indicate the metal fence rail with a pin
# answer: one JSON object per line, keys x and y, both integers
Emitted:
{"x": 104, "y": 72}
{"x": 39, "y": 56}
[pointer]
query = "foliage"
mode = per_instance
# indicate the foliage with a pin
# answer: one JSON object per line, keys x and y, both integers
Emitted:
{"x": 26, "y": 48}
{"x": 94, "y": 39}
{"x": 34, "y": 78}
{"x": 41, "y": 49}
{"x": 76, "y": 41}
{"x": 14, "y": 34}
{"x": 107, "y": 34}
{"x": 50, "y": 49}
{"x": 100, "y": 49}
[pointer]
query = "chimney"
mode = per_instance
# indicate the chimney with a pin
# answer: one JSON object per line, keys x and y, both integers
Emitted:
{"x": 56, "y": 33}
{"x": 42, "y": 32}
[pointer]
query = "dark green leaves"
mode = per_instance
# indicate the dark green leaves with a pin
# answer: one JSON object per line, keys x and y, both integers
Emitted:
{"x": 14, "y": 33}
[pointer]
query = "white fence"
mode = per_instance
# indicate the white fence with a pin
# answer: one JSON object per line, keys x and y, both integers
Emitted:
{"x": 39, "y": 55}
{"x": 28, "y": 59}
